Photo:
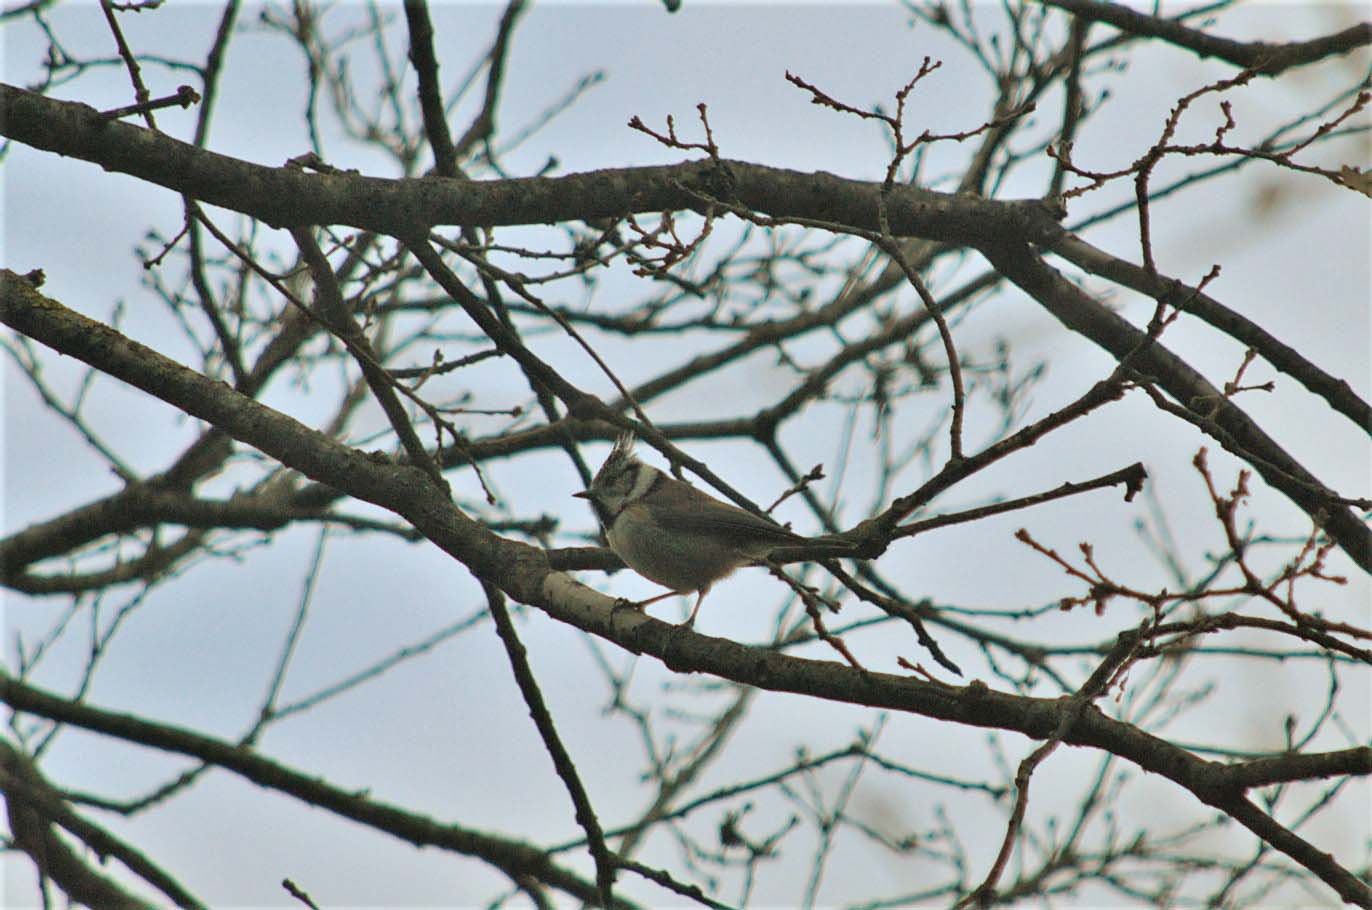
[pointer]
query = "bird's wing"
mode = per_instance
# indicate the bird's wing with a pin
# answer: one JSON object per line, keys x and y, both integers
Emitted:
{"x": 712, "y": 517}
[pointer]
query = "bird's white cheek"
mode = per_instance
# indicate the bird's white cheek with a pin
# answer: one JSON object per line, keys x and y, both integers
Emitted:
{"x": 644, "y": 479}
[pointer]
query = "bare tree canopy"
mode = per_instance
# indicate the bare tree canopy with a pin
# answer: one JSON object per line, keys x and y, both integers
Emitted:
{"x": 1016, "y": 355}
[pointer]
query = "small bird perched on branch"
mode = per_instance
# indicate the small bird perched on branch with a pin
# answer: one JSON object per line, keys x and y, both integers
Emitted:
{"x": 673, "y": 534}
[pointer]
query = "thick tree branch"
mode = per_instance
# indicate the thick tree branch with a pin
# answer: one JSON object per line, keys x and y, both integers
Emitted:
{"x": 1234, "y": 429}
{"x": 284, "y": 197}
{"x": 1268, "y": 59}
{"x": 1337, "y": 392}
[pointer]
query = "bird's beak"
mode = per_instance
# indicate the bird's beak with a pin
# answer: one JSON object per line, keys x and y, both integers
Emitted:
{"x": 584, "y": 494}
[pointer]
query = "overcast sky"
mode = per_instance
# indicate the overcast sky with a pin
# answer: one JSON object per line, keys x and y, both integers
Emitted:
{"x": 199, "y": 650}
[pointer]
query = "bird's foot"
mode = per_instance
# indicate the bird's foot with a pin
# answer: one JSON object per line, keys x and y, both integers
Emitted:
{"x": 623, "y": 603}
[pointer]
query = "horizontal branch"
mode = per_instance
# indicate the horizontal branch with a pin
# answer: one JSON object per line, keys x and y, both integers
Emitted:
{"x": 1131, "y": 478}
{"x": 1281, "y": 769}
{"x": 142, "y": 505}
{"x": 287, "y": 196}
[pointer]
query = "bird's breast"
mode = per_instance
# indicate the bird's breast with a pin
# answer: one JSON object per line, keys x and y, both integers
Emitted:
{"x": 680, "y": 561}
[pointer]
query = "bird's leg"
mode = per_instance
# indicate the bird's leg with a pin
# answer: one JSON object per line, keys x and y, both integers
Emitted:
{"x": 691, "y": 620}
{"x": 623, "y": 603}
{"x": 652, "y": 600}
